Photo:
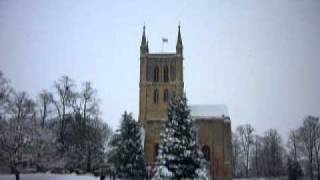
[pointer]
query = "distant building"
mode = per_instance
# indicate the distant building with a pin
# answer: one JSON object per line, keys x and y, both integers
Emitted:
{"x": 161, "y": 77}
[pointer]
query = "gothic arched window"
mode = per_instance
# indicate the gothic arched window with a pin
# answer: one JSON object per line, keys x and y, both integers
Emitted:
{"x": 173, "y": 95}
{"x": 155, "y": 96}
{"x": 206, "y": 152}
{"x": 166, "y": 95}
{"x": 156, "y": 74}
{"x": 165, "y": 73}
{"x": 172, "y": 72}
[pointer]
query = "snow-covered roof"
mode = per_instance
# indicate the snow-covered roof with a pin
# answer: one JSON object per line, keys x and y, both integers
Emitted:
{"x": 209, "y": 111}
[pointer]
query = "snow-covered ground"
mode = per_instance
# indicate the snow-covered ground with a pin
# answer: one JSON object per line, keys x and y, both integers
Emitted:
{"x": 280, "y": 178}
{"x": 261, "y": 179}
{"x": 80, "y": 177}
{"x": 49, "y": 177}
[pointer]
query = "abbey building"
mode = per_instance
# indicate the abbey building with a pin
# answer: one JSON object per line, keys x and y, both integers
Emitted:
{"x": 161, "y": 77}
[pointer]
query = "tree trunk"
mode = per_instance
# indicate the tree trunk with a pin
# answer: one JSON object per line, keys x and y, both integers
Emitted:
{"x": 318, "y": 167}
{"x": 89, "y": 160}
{"x": 17, "y": 176}
{"x": 102, "y": 177}
{"x": 257, "y": 169}
{"x": 311, "y": 168}
{"x": 62, "y": 122}
{"x": 44, "y": 115}
{"x": 247, "y": 165}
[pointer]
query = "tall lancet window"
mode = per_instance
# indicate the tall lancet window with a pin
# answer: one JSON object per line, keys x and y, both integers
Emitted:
{"x": 165, "y": 73}
{"x": 166, "y": 95}
{"x": 156, "y": 74}
{"x": 172, "y": 72}
{"x": 156, "y": 149}
{"x": 206, "y": 152}
{"x": 173, "y": 95}
{"x": 155, "y": 96}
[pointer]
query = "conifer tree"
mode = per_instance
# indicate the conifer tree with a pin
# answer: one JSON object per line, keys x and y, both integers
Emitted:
{"x": 179, "y": 156}
{"x": 127, "y": 152}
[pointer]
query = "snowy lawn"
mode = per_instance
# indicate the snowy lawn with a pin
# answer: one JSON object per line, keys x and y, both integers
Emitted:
{"x": 50, "y": 177}
{"x": 261, "y": 179}
{"x": 281, "y": 178}
{"x": 82, "y": 177}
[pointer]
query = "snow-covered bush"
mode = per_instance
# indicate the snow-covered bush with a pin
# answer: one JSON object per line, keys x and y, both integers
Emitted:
{"x": 202, "y": 174}
{"x": 162, "y": 173}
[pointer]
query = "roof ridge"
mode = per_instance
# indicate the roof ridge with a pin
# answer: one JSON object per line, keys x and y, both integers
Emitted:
{"x": 213, "y": 110}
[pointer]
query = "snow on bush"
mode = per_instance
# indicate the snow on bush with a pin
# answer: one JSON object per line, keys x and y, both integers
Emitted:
{"x": 162, "y": 173}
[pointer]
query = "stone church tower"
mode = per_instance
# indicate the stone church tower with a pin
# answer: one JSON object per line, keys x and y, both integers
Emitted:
{"x": 161, "y": 77}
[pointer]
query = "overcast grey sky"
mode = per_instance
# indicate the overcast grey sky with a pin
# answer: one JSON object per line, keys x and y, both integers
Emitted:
{"x": 260, "y": 57}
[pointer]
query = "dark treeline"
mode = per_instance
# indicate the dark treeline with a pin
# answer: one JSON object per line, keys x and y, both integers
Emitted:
{"x": 269, "y": 156}
{"x": 60, "y": 130}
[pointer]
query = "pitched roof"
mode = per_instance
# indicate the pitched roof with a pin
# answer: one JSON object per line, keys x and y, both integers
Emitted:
{"x": 209, "y": 111}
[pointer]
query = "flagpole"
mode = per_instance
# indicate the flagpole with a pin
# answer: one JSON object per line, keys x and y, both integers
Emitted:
{"x": 164, "y": 40}
{"x": 162, "y": 46}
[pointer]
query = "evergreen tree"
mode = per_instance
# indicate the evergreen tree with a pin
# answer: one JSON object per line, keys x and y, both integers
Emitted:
{"x": 179, "y": 157}
{"x": 127, "y": 152}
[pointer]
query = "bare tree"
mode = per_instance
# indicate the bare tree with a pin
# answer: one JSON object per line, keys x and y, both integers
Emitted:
{"x": 45, "y": 99}
{"x": 256, "y": 155}
{"x": 64, "y": 87}
{"x": 28, "y": 142}
{"x": 235, "y": 154}
{"x": 246, "y": 139}
{"x": 86, "y": 127}
{"x": 17, "y": 136}
{"x": 273, "y": 153}
{"x": 317, "y": 147}
{"x": 86, "y": 102}
{"x": 308, "y": 136}
{"x": 5, "y": 91}
{"x": 89, "y": 110}
{"x": 293, "y": 142}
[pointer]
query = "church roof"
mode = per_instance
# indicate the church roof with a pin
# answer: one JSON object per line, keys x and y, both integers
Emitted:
{"x": 209, "y": 111}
